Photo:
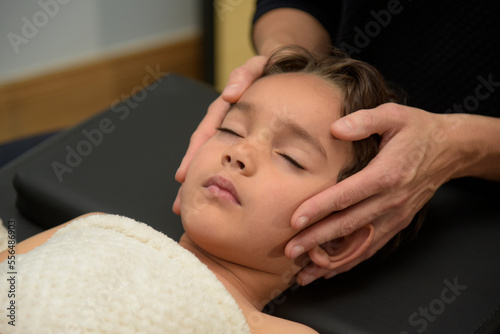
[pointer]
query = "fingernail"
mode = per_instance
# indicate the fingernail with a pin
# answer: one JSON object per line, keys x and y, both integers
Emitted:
{"x": 347, "y": 125}
{"x": 297, "y": 251}
{"x": 331, "y": 274}
{"x": 301, "y": 222}
{"x": 231, "y": 89}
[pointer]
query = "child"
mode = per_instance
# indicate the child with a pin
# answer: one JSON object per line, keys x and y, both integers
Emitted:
{"x": 273, "y": 150}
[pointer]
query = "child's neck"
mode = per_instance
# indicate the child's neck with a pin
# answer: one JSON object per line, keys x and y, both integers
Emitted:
{"x": 251, "y": 288}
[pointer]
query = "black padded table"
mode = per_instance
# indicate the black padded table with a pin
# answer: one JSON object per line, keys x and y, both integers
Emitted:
{"x": 124, "y": 160}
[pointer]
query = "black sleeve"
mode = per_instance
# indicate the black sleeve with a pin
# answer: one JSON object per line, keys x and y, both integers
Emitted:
{"x": 326, "y": 12}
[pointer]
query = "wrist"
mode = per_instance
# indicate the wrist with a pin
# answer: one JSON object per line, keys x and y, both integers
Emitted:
{"x": 474, "y": 141}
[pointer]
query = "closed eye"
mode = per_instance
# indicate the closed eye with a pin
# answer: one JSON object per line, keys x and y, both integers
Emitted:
{"x": 229, "y": 131}
{"x": 291, "y": 161}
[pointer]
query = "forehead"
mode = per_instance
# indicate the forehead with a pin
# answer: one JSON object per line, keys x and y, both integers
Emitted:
{"x": 306, "y": 98}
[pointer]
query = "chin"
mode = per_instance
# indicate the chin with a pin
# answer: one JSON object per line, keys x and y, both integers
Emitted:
{"x": 203, "y": 226}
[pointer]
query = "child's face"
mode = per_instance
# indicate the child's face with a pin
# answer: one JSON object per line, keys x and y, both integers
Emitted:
{"x": 274, "y": 150}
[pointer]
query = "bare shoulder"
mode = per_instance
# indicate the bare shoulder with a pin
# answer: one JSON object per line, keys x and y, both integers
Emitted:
{"x": 275, "y": 325}
{"x": 39, "y": 239}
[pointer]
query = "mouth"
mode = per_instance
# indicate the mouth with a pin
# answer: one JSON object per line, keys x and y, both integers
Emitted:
{"x": 222, "y": 188}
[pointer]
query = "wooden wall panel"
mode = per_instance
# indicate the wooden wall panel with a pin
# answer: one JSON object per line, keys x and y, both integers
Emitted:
{"x": 64, "y": 98}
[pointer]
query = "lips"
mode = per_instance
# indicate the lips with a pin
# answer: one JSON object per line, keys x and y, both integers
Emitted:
{"x": 223, "y": 188}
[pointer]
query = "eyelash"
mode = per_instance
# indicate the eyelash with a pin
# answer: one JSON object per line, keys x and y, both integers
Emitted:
{"x": 229, "y": 131}
{"x": 287, "y": 157}
{"x": 292, "y": 161}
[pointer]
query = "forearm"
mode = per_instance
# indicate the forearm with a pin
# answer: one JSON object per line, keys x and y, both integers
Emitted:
{"x": 477, "y": 142}
{"x": 285, "y": 26}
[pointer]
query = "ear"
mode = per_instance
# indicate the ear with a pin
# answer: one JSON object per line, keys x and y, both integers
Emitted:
{"x": 336, "y": 253}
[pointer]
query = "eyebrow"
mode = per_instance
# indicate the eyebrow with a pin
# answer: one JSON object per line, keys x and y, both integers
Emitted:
{"x": 294, "y": 127}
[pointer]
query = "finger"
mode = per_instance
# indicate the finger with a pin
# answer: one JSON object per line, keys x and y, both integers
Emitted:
{"x": 194, "y": 144}
{"x": 314, "y": 271}
{"x": 380, "y": 239}
{"x": 176, "y": 207}
{"x": 205, "y": 130}
{"x": 344, "y": 194}
{"x": 363, "y": 123}
{"x": 242, "y": 77}
{"x": 310, "y": 273}
{"x": 339, "y": 224}
{"x": 387, "y": 227}
{"x": 344, "y": 268}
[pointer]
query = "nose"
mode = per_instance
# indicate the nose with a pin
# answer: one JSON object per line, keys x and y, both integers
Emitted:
{"x": 240, "y": 157}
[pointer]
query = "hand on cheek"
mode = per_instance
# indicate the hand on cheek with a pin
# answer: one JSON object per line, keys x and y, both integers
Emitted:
{"x": 414, "y": 159}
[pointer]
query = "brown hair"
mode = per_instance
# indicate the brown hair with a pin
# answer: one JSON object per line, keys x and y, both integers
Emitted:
{"x": 361, "y": 87}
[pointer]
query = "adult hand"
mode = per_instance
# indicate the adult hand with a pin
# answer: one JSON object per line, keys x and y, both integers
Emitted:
{"x": 413, "y": 161}
{"x": 239, "y": 80}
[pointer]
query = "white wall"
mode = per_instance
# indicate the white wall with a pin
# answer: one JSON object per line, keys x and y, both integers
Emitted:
{"x": 42, "y": 35}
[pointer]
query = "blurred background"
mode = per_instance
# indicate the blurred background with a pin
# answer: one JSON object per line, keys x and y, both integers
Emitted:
{"x": 62, "y": 61}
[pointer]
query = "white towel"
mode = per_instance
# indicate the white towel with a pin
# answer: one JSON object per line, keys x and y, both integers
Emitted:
{"x": 111, "y": 274}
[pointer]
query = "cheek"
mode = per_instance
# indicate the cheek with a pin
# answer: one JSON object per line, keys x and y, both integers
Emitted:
{"x": 275, "y": 203}
{"x": 206, "y": 155}
{"x": 204, "y": 162}
{"x": 192, "y": 201}
{"x": 282, "y": 198}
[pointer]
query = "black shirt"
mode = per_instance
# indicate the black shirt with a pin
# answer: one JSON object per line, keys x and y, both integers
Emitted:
{"x": 445, "y": 54}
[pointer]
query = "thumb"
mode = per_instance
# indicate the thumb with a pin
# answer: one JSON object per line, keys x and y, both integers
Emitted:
{"x": 242, "y": 77}
{"x": 363, "y": 123}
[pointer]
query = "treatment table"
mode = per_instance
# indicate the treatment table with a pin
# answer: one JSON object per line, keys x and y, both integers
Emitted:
{"x": 123, "y": 161}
